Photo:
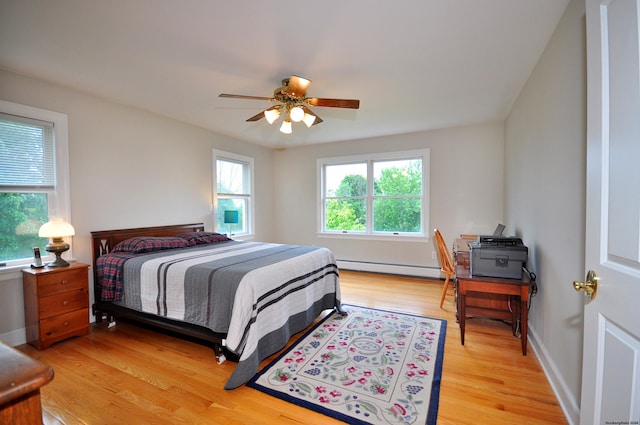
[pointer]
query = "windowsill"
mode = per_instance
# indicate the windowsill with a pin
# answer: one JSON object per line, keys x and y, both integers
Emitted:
{"x": 369, "y": 237}
{"x": 14, "y": 272}
{"x": 242, "y": 237}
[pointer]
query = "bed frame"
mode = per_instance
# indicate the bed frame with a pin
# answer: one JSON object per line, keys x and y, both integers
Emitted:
{"x": 102, "y": 243}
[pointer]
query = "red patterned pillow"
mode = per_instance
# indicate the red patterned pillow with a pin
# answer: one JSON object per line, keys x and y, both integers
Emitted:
{"x": 142, "y": 244}
{"x": 201, "y": 238}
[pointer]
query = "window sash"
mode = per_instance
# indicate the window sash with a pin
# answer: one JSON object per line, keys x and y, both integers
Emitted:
{"x": 27, "y": 155}
{"x": 233, "y": 177}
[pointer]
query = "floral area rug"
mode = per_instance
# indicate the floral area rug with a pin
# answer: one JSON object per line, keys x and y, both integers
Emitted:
{"x": 368, "y": 367}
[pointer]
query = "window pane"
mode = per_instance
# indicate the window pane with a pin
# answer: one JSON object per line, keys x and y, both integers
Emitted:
{"x": 402, "y": 177}
{"x": 346, "y": 180}
{"x": 346, "y": 214}
{"x": 26, "y": 152}
{"x": 232, "y": 177}
{"x": 232, "y": 204}
{"x": 21, "y": 218}
{"x": 396, "y": 214}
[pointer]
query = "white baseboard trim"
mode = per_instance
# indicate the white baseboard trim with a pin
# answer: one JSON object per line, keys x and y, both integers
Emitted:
{"x": 398, "y": 269}
{"x": 567, "y": 401}
{"x": 15, "y": 337}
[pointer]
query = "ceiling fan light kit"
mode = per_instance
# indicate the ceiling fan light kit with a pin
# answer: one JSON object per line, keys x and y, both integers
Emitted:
{"x": 292, "y": 99}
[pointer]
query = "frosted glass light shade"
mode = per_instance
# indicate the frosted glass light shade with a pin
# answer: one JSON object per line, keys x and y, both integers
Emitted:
{"x": 296, "y": 114}
{"x": 56, "y": 228}
{"x": 271, "y": 115}
{"x": 286, "y": 127}
{"x": 309, "y": 119}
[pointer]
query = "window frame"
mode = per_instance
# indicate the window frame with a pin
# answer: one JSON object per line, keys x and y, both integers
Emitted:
{"x": 370, "y": 159}
{"x": 249, "y": 197}
{"x": 59, "y": 198}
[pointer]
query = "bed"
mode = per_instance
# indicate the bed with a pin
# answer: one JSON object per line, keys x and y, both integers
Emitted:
{"x": 246, "y": 298}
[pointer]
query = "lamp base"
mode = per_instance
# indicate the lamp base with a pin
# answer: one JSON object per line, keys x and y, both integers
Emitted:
{"x": 58, "y": 262}
{"x": 57, "y": 248}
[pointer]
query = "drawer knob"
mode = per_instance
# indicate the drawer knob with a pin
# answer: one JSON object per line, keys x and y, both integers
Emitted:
{"x": 65, "y": 302}
{"x": 66, "y": 323}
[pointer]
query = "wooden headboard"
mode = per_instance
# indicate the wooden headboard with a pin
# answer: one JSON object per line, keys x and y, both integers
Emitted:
{"x": 102, "y": 242}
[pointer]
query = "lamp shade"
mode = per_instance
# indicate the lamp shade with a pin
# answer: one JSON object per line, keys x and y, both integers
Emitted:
{"x": 296, "y": 114}
{"x": 271, "y": 115}
{"x": 286, "y": 127}
{"x": 231, "y": 216}
{"x": 56, "y": 228}
{"x": 309, "y": 119}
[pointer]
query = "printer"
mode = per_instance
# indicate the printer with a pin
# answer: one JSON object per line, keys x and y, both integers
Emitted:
{"x": 498, "y": 256}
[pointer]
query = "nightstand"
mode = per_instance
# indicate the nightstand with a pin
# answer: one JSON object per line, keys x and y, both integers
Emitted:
{"x": 56, "y": 303}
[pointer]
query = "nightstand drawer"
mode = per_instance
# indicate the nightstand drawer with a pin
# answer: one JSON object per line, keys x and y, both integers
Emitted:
{"x": 59, "y": 327}
{"x": 63, "y": 302}
{"x": 54, "y": 283}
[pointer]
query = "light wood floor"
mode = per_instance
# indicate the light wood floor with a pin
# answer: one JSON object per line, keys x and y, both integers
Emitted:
{"x": 131, "y": 375}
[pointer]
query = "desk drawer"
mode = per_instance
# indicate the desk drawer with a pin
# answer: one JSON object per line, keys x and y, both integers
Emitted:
{"x": 491, "y": 301}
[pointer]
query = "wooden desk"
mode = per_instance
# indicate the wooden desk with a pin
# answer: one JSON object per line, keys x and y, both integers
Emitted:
{"x": 20, "y": 380}
{"x": 514, "y": 291}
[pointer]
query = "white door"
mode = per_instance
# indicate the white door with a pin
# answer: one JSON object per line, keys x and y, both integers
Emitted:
{"x": 611, "y": 358}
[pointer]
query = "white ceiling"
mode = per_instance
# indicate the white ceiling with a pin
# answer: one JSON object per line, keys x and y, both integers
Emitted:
{"x": 414, "y": 64}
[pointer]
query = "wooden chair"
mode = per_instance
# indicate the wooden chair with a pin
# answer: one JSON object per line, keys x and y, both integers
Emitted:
{"x": 447, "y": 265}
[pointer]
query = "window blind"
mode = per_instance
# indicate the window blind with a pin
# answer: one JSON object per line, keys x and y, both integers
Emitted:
{"x": 27, "y": 154}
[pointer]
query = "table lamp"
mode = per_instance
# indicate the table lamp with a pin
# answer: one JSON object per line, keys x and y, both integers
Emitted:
{"x": 56, "y": 229}
{"x": 230, "y": 217}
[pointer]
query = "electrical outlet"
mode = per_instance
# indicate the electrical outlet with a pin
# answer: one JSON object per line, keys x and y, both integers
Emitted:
{"x": 433, "y": 255}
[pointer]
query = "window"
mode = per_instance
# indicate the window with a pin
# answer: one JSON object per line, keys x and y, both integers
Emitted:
{"x": 381, "y": 194}
{"x": 232, "y": 191}
{"x": 33, "y": 178}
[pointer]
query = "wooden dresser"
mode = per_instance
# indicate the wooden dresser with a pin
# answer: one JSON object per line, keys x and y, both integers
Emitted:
{"x": 20, "y": 380}
{"x": 56, "y": 303}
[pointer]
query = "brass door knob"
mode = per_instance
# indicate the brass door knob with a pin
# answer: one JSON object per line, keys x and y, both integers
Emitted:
{"x": 589, "y": 286}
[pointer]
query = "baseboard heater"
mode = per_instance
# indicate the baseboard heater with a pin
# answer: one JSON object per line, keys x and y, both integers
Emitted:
{"x": 397, "y": 269}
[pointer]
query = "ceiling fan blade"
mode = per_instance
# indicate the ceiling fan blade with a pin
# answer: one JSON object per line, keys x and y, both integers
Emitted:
{"x": 334, "y": 103}
{"x": 297, "y": 86}
{"x": 256, "y": 117}
{"x": 241, "y": 96}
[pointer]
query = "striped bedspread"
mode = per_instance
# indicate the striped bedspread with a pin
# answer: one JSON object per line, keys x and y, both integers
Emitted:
{"x": 259, "y": 294}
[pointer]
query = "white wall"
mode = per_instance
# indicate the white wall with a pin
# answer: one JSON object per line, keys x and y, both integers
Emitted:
{"x": 545, "y": 168}
{"x": 466, "y": 192}
{"x": 128, "y": 168}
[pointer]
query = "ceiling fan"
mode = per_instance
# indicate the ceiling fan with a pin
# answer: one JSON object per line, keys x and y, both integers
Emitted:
{"x": 292, "y": 102}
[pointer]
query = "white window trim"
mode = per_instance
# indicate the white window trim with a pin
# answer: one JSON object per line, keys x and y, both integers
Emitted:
{"x": 219, "y": 154}
{"x": 384, "y": 156}
{"x": 62, "y": 206}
